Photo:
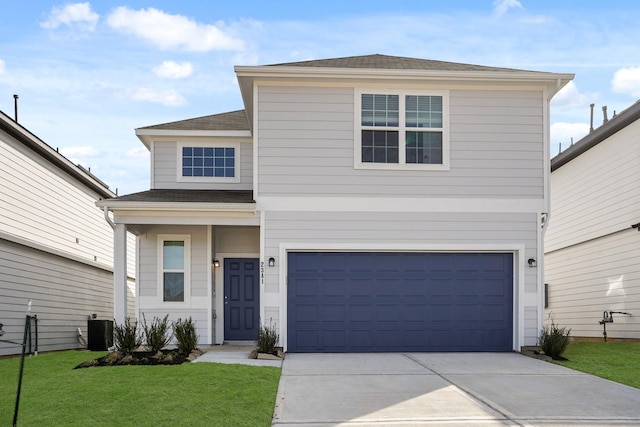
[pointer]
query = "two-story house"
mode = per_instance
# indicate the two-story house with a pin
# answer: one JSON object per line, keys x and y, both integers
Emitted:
{"x": 56, "y": 248}
{"x": 368, "y": 203}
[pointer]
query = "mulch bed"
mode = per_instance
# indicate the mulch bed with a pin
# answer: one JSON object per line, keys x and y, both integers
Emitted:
{"x": 163, "y": 357}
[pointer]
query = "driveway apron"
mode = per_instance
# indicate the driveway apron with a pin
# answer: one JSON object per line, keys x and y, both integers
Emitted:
{"x": 446, "y": 389}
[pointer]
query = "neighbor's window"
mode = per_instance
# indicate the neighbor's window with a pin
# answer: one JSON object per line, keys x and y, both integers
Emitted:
{"x": 173, "y": 269}
{"x": 403, "y": 130}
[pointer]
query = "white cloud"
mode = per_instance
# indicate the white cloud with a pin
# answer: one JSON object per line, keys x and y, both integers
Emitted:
{"x": 569, "y": 97}
{"x": 75, "y": 153}
{"x": 627, "y": 81}
{"x": 3, "y": 67}
{"x": 77, "y": 15}
{"x": 169, "y": 98}
{"x": 171, "y": 31}
{"x": 564, "y": 133}
{"x": 173, "y": 70}
{"x": 137, "y": 153}
{"x": 500, "y": 7}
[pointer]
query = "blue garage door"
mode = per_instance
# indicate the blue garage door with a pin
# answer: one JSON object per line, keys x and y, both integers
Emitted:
{"x": 357, "y": 302}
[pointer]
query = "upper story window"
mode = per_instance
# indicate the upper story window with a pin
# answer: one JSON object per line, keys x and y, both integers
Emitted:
{"x": 402, "y": 130}
{"x": 217, "y": 162}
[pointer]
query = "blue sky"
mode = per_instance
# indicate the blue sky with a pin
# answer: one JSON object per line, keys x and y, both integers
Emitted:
{"x": 89, "y": 73}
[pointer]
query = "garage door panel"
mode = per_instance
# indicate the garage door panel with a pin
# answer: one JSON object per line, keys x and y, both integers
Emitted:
{"x": 399, "y": 302}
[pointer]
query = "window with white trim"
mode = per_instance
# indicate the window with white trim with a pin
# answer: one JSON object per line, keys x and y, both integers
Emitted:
{"x": 402, "y": 130}
{"x": 213, "y": 162}
{"x": 173, "y": 263}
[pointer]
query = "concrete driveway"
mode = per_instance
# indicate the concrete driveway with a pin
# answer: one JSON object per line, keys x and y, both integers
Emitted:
{"x": 446, "y": 389}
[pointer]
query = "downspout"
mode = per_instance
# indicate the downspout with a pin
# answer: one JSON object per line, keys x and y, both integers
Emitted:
{"x": 106, "y": 216}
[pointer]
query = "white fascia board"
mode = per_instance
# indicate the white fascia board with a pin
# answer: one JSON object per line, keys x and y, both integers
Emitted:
{"x": 146, "y": 135}
{"x": 554, "y": 79}
{"x": 183, "y": 133}
{"x": 132, "y": 219}
{"x": 405, "y": 204}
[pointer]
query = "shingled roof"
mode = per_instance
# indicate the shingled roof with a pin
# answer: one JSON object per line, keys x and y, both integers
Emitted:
{"x": 390, "y": 63}
{"x": 189, "y": 196}
{"x": 233, "y": 120}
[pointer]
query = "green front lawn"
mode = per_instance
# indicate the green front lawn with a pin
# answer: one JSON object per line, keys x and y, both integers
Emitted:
{"x": 191, "y": 394}
{"x": 615, "y": 361}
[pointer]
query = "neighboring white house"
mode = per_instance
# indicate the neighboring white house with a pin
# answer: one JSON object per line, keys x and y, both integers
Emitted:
{"x": 56, "y": 248}
{"x": 592, "y": 246}
{"x": 369, "y": 203}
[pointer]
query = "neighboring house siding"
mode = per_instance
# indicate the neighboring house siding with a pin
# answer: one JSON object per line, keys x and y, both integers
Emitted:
{"x": 150, "y": 296}
{"x": 56, "y": 248}
{"x": 345, "y": 230}
{"x": 591, "y": 251}
{"x": 596, "y": 193}
{"x": 306, "y": 146}
{"x": 165, "y": 161}
{"x": 64, "y": 294}
{"x": 592, "y": 277}
{"x": 42, "y": 205}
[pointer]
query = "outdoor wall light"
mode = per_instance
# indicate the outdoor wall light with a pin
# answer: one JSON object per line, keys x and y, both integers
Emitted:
{"x": 532, "y": 262}
{"x": 272, "y": 262}
{"x": 216, "y": 263}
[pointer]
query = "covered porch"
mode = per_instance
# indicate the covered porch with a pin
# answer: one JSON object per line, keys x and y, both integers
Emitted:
{"x": 188, "y": 241}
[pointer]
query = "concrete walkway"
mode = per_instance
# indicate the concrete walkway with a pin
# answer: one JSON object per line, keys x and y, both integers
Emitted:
{"x": 234, "y": 354}
{"x": 446, "y": 389}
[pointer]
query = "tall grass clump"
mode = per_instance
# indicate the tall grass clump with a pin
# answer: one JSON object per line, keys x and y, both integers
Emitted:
{"x": 554, "y": 340}
{"x": 267, "y": 338}
{"x": 126, "y": 336}
{"x": 157, "y": 335}
{"x": 185, "y": 333}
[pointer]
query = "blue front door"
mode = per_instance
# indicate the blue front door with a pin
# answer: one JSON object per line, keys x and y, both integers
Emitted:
{"x": 241, "y": 299}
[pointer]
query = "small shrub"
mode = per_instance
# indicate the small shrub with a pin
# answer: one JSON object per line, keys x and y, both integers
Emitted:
{"x": 554, "y": 340}
{"x": 157, "y": 335}
{"x": 185, "y": 333}
{"x": 267, "y": 338}
{"x": 126, "y": 337}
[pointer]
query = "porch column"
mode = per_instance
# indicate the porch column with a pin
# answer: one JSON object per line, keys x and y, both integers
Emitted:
{"x": 120, "y": 274}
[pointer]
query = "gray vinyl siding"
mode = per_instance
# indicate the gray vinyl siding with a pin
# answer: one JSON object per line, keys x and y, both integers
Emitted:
{"x": 199, "y": 317}
{"x": 55, "y": 247}
{"x": 446, "y": 229}
{"x": 591, "y": 251}
{"x": 596, "y": 193}
{"x": 165, "y": 174}
{"x": 595, "y": 276}
{"x": 148, "y": 266}
{"x": 39, "y": 203}
{"x": 306, "y": 146}
{"x": 64, "y": 294}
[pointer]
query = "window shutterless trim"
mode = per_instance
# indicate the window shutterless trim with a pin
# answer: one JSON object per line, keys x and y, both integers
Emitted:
{"x": 402, "y": 129}
{"x": 236, "y": 167}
